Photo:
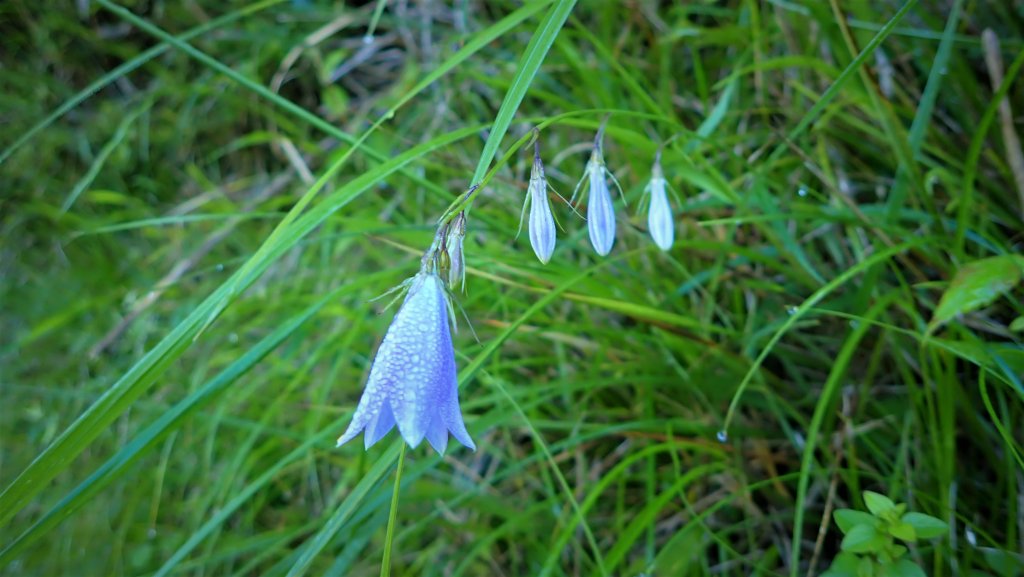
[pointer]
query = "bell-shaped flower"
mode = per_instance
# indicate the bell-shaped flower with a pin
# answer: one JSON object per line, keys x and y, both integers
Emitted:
{"x": 659, "y": 214}
{"x": 542, "y": 223}
{"x": 412, "y": 381}
{"x": 600, "y": 211}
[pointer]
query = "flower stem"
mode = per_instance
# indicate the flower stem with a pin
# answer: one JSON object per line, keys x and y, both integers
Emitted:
{"x": 385, "y": 564}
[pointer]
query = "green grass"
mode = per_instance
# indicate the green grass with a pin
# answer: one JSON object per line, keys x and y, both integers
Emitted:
{"x": 195, "y": 218}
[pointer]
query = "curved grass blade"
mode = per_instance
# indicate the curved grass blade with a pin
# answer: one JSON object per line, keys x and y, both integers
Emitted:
{"x": 156, "y": 431}
{"x": 101, "y": 158}
{"x": 481, "y": 40}
{"x": 835, "y": 377}
{"x": 801, "y": 311}
{"x": 964, "y": 203}
{"x": 322, "y": 438}
{"x": 833, "y": 90}
{"x": 532, "y": 58}
{"x": 58, "y": 456}
{"x": 319, "y": 541}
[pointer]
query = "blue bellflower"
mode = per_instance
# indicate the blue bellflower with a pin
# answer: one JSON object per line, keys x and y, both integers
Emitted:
{"x": 659, "y": 215}
{"x": 412, "y": 381}
{"x": 600, "y": 211}
{"x": 542, "y": 223}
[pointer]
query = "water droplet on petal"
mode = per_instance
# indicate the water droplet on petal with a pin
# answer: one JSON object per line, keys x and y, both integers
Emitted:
{"x": 722, "y": 436}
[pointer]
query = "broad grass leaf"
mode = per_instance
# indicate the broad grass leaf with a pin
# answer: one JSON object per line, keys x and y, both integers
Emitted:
{"x": 1004, "y": 563}
{"x": 976, "y": 285}
{"x": 1017, "y": 325}
{"x": 682, "y": 552}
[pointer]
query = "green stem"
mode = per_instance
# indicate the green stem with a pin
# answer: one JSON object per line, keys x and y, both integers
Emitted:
{"x": 374, "y": 20}
{"x": 385, "y": 563}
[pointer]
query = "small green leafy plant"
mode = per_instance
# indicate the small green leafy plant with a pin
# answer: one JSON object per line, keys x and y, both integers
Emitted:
{"x": 870, "y": 547}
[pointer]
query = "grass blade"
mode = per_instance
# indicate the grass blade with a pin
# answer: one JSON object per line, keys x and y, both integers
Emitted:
{"x": 532, "y": 58}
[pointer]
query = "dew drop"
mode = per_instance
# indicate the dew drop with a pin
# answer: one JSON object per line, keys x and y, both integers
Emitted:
{"x": 802, "y": 191}
{"x": 220, "y": 267}
{"x": 722, "y": 436}
{"x": 791, "y": 310}
{"x": 368, "y": 39}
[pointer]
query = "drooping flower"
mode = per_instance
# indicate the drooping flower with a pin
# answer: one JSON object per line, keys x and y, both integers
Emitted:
{"x": 600, "y": 211}
{"x": 542, "y": 223}
{"x": 412, "y": 381}
{"x": 659, "y": 214}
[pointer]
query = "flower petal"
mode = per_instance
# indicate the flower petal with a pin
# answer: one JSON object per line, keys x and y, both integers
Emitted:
{"x": 368, "y": 409}
{"x": 452, "y": 415}
{"x": 415, "y": 352}
{"x": 600, "y": 212}
{"x": 542, "y": 224}
{"x": 380, "y": 426}
{"x": 437, "y": 434}
{"x": 659, "y": 217}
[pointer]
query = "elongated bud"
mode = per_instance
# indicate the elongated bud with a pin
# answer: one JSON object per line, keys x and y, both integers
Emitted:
{"x": 542, "y": 223}
{"x": 456, "y": 259}
{"x": 600, "y": 211}
{"x": 659, "y": 215}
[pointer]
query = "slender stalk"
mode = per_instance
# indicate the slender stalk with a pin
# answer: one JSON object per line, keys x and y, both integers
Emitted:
{"x": 599, "y": 137}
{"x": 385, "y": 563}
{"x": 374, "y": 20}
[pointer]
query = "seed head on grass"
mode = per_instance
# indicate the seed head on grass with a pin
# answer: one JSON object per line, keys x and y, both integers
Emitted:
{"x": 413, "y": 380}
{"x": 600, "y": 211}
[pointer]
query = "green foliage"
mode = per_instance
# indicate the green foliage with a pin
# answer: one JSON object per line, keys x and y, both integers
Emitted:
{"x": 978, "y": 284}
{"x": 870, "y": 548}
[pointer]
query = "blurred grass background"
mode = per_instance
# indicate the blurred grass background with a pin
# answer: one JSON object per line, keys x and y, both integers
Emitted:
{"x": 838, "y": 162}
